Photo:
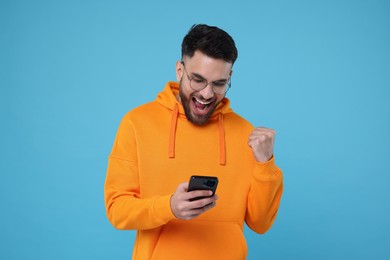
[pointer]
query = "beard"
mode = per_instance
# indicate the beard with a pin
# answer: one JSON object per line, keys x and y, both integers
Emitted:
{"x": 187, "y": 102}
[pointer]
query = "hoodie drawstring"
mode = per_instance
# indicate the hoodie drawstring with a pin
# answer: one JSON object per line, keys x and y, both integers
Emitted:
{"x": 172, "y": 134}
{"x": 222, "y": 143}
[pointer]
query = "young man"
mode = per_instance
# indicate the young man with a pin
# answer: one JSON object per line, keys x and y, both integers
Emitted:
{"x": 190, "y": 129}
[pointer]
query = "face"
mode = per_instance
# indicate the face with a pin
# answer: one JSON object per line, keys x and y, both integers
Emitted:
{"x": 200, "y": 105}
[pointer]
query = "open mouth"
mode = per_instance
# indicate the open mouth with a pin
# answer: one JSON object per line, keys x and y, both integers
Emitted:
{"x": 201, "y": 107}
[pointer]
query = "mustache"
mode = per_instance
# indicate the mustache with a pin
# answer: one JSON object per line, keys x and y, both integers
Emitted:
{"x": 201, "y": 98}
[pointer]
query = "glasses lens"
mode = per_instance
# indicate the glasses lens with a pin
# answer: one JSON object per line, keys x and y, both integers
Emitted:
{"x": 218, "y": 89}
{"x": 198, "y": 84}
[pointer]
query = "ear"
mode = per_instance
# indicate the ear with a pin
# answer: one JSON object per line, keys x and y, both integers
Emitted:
{"x": 179, "y": 71}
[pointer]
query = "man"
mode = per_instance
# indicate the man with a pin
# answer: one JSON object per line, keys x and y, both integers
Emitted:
{"x": 190, "y": 129}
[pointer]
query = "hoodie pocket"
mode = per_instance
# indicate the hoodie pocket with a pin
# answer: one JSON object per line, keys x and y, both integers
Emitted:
{"x": 200, "y": 240}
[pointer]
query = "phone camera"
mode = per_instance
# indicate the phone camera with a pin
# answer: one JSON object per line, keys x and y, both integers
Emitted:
{"x": 209, "y": 183}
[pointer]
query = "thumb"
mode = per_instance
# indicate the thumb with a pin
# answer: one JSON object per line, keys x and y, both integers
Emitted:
{"x": 183, "y": 187}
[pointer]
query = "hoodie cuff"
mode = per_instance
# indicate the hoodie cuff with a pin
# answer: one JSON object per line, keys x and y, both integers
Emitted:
{"x": 266, "y": 171}
{"x": 162, "y": 208}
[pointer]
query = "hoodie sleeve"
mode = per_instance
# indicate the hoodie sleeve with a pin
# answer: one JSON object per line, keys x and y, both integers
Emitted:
{"x": 124, "y": 206}
{"x": 264, "y": 196}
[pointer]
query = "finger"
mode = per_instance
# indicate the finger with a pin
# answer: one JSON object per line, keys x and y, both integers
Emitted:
{"x": 198, "y": 211}
{"x": 201, "y": 203}
{"x": 211, "y": 205}
{"x": 191, "y": 195}
{"x": 260, "y": 140}
{"x": 263, "y": 132}
{"x": 261, "y": 137}
{"x": 199, "y": 193}
{"x": 261, "y": 143}
{"x": 262, "y": 129}
{"x": 183, "y": 186}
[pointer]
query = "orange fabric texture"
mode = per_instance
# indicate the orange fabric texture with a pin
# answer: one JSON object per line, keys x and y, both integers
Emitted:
{"x": 156, "y": 148}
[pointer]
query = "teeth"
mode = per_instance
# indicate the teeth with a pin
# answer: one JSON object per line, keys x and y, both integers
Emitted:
{"x": 202, "y": 102}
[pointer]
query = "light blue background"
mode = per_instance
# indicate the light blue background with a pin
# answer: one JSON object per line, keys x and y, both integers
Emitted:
{"x": 316, "y": 71}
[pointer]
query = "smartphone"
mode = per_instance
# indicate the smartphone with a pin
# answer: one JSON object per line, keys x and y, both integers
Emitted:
{"x": 203, "y": 183}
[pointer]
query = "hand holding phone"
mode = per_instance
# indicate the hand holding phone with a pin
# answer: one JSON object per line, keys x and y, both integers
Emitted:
{"x": 183, "y": 204}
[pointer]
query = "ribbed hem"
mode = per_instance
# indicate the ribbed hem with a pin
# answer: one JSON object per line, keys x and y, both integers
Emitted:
{"x": 266, "y": 171}
{"x": 162, "y": 208}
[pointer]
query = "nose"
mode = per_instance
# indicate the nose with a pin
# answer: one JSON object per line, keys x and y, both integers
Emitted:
{"x": 207, "y": 92}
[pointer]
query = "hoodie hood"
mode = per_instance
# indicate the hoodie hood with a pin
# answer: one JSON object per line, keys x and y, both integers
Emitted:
{"x": 167, "y": 98}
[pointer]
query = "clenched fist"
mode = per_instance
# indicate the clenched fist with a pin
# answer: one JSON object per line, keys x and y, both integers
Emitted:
{"x": 261, "y": 140}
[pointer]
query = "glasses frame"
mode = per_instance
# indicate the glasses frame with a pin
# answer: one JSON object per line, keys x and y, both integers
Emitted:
{"x": 228, "y": 83}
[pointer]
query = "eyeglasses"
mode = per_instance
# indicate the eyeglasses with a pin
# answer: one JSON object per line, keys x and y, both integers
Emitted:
{"x": 219, "y": 87}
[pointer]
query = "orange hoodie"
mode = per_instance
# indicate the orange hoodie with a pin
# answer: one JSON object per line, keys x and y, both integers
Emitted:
{"x": 157, "y": 148}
